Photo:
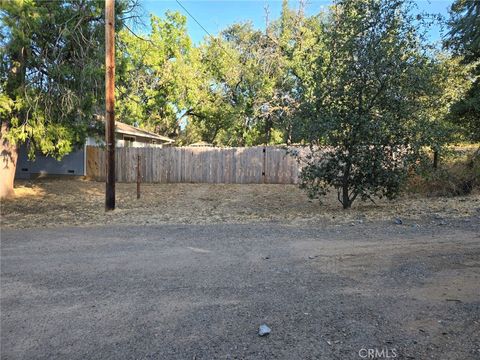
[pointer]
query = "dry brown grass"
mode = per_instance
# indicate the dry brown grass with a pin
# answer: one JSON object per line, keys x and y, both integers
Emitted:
{"x": 49, "y": 202}
{"x": 23, "y": 191}
{"x": 459, "y": 174}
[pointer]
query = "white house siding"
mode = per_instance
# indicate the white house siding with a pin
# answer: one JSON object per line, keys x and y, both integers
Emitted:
{"x": 119, "y": 142}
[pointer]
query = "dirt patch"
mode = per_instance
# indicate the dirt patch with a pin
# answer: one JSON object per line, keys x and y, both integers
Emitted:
{"x": 53, "y": 202}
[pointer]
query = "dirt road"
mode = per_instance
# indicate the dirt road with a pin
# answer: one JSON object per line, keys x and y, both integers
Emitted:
{"x": 185, "y": 291}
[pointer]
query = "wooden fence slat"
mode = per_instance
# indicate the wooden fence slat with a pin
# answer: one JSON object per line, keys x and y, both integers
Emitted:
{"x": 198, "y": 165}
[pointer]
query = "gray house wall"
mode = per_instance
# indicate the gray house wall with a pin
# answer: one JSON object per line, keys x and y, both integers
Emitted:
{"x": 71, "y": 164}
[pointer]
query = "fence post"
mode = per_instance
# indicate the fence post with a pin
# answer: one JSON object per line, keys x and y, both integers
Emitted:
{"x": 139, "y": 176}
{"x": 264, "y": 164}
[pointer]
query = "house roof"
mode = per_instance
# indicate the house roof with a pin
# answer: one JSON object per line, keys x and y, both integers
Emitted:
{"x": 123, "y": 128}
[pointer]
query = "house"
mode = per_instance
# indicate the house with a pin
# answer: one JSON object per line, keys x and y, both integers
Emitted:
{"x": 75, "y": 162}
{"x": 132, "y": 136}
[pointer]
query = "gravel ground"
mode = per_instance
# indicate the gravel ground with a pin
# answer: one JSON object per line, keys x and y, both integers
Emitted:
{"x": 191, "y": 271}
{"x": 186, "y": 291}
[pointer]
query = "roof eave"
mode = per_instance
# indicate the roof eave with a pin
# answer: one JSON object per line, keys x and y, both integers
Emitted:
{"x": 154, "y": 137}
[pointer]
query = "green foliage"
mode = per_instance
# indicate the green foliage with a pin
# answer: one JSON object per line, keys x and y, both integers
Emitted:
{"x": 51, "y": 74}
{"x": 458, "y": 176}
{"x": 240, "y": 88}
{"x": 464, "y": 40}
{"x": 452, "y": 81}
{"x": 159, "y": 74}
{"x": 368, "y": 101}
{"x": 358, "y": 83}
{"x": 243, "y": 72}
{"x": 464, "y": 35}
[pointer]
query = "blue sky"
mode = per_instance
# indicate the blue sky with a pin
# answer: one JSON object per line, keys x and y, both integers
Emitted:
{"x": 218, "y": 14}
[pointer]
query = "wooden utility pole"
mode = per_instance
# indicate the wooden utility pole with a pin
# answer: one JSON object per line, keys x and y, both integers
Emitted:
{"x": 110, "y": 103}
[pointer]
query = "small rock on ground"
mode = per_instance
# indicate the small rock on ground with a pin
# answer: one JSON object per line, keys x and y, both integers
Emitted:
{"x": 264, "y": 330}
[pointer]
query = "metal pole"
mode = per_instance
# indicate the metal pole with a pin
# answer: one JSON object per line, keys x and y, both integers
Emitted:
{"x": 110, "y": 103}
{"x": 139, "y": 176}
{"x": 264, "y": 163}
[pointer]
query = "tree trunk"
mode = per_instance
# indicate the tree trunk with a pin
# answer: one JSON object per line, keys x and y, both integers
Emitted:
{"x": 289, "y": 134}
{"x": 8, "y": 157}
{"x": 346, "y": 202}
{"x": 435, "y": 159}
{"x": 8, "y": 151}
{"x": 345, "y": 199}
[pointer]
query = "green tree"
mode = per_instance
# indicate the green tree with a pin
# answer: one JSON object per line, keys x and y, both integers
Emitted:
{"x": 51, "y": 76}
{"x": 252, "y": 85}
{"x": 211, "y": 114}
{"x": 248, "y": 91}
{"x": 243, "y": 75}
{"x": 159, "y": 74}
{"x": 464, "y": 41}
{"x": 298, "y": 42}
{"x": 364, "y": 120}
{"x": 452, "y": 81}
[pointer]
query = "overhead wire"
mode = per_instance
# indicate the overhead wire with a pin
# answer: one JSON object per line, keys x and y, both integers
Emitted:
{"x": 203, "y": 28}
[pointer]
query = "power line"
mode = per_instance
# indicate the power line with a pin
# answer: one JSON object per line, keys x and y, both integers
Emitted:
{"x": 193, "y": 17}
{"x": 198, "y": 23}
{"x": 203, "y": 28}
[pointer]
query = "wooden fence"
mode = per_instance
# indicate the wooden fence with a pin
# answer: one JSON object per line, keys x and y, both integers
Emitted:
{"x": 251, "y": 165}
